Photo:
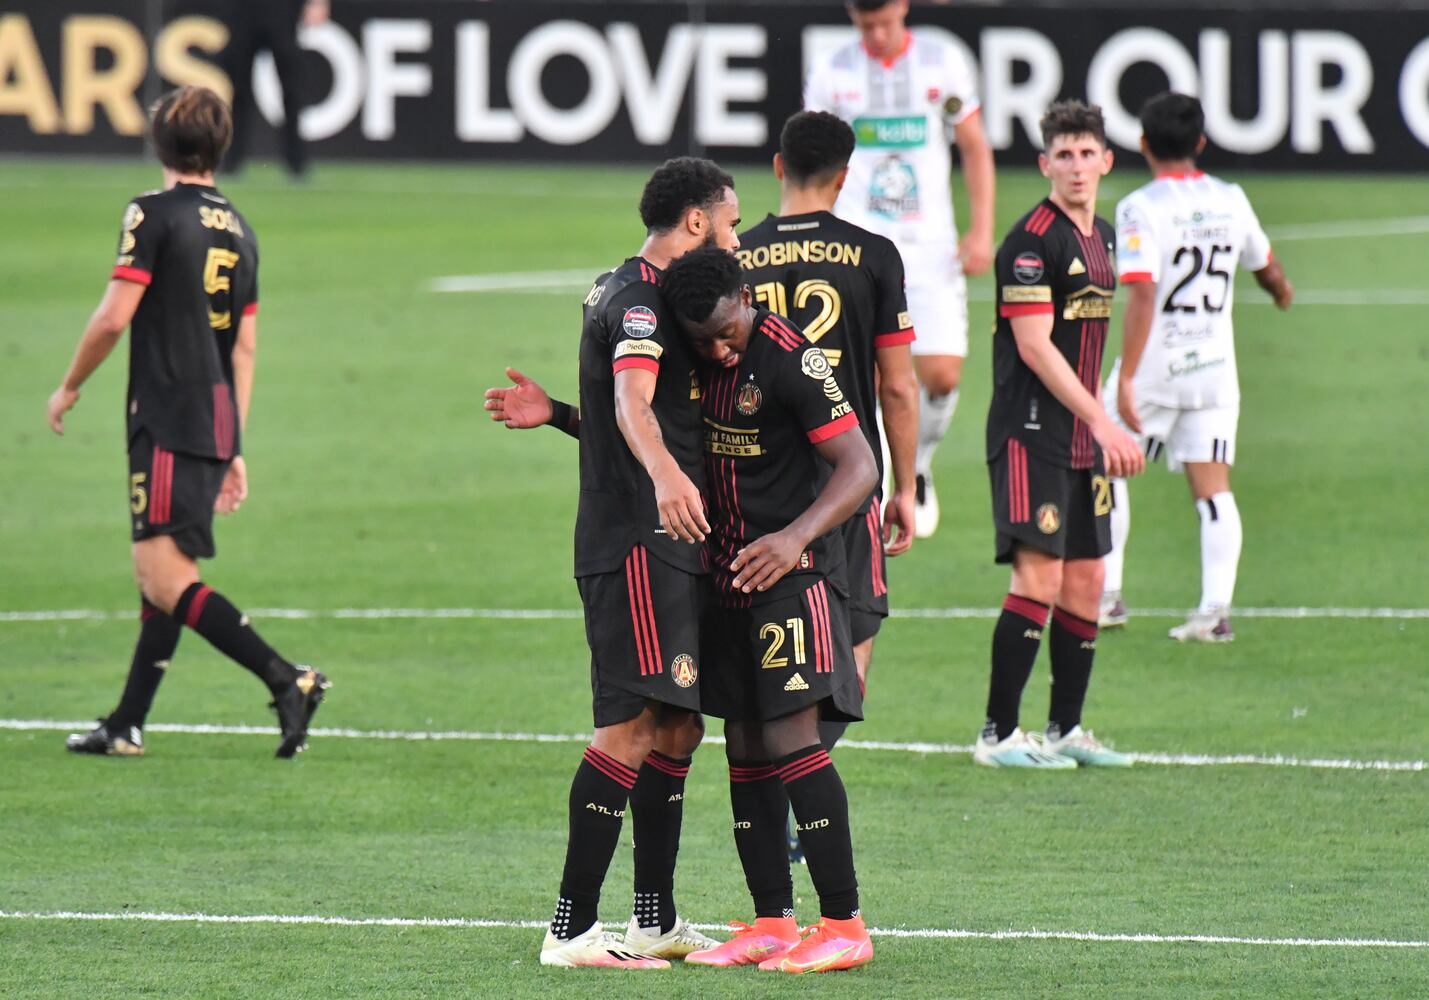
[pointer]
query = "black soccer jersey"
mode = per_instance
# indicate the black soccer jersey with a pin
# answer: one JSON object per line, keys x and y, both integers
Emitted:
{"x": 762, "y": 420}
{"x": 1046, "y": 265}
{"x": 626, "y": 325}
{"x": 842, "y": 285}
{"x": 199, "y": 259}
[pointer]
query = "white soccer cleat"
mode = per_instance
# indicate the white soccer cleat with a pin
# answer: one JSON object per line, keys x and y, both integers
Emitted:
{"x": 1020, "y": 749}
{"x": 595, "y": 949}
{"x": 1205, "y": 626}
{"x": 1113, "y": 611}
{"x": 1086, "y": 749}
{"x": 925, "y": 507}
{"x": 673, "y": 945}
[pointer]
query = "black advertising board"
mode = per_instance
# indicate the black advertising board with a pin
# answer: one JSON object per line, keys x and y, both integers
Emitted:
{"x": 451, "y": 79}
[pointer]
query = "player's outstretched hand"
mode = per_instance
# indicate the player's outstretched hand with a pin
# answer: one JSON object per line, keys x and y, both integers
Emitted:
{"x": 1284, "y": 295}
{"x": 521, "y": 405}
{"x": 1123, "y": 455}
{"x": 764, "y": 561}
{"x": 60, "y": 402}
{"x": 898, "y": 523}
{"x": 682, "y": 509}
{"x": 1126, "y": 404}
{"x": 975, "y": 253}
{"x": 234, "y": 489}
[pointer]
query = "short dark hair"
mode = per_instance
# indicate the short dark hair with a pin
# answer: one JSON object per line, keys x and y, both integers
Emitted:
{"x": 677, "y": 186}
{"x": 190, "y": 129}
{"x": 868, "y": 6}
{"x": 1173, "y": 125}
{"x": 695, "y": 283}
{"x": 814, "y": 146}
{"x": 1073, "y": 118}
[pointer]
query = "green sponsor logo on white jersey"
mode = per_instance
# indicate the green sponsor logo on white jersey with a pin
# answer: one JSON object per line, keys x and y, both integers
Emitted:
{"x": 891, "y": 132}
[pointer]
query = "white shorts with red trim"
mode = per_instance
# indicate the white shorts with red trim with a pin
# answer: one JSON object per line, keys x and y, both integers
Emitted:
{"x": 937, "y": 298}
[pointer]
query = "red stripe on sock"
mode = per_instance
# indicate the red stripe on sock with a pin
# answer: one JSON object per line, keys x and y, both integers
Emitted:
{"x": 764, "y": 773}
{"x": 1079, "y": 627}
{"x": 1034, "y": 611}
{"x": 147, "y": 611}
{"x": 196, "y": 605}
{"x": 804, "y": 766}
{"x": 610, "y": 767}
{"x": 668, "y": 765}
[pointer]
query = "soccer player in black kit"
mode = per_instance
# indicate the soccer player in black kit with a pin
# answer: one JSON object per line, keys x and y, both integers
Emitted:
{"x": 1051, "y": 446}
{"x": 640, "y": 570}
{"x": 186, "y": 284}
{"x": 778, "y": 654}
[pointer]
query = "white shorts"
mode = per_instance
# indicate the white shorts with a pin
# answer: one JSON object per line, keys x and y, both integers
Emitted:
{"x": 1181, "y": 436}
{"x": 937, "y": 298}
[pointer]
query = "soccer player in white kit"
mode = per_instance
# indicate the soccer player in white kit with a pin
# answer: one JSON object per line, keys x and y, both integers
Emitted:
{"x": 908, "y": 94}
{"x": 1179, "y": 242}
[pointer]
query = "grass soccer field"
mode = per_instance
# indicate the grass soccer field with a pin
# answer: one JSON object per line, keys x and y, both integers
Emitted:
{"x": 1272, "y": 843}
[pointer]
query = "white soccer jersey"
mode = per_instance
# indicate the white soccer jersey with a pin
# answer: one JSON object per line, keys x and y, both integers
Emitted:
{"x": 1188, "y": 233}
{"x": 903, "y": 112}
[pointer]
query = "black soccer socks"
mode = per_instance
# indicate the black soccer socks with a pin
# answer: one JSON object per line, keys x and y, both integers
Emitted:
{"x": 761, "y": 808}
{"x": 657, "y": 807}
{"x": 1014, "y": 650}
{"x": 820, "y": 804}
{"x": 1074, "y": 645}
{"x": 208, "y": 613}
{"x": 158, "y": 638}
{"x": 599, "y": 795}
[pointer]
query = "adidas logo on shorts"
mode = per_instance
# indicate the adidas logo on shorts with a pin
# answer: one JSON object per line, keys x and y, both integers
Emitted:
{"x": 796, "y": 683}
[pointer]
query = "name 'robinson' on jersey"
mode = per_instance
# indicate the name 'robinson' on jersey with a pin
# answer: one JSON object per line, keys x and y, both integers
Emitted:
{"x": 626, "y": 325}
{"x": 843, "y": 286}
{"x": 199, "y": 259}
{"x": 1046, "y": 265}
{"x": 1187, "y": 233}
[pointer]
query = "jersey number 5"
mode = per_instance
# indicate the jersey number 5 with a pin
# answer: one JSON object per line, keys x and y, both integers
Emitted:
{"x": 214, "y": 282}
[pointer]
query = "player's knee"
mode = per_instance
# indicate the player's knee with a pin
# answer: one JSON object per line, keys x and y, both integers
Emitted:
{"x": 1082, "y": 584}
{"x": 680, "y": 733}
{"x": 940, "y": 382}
{"x": 744, "y": 741}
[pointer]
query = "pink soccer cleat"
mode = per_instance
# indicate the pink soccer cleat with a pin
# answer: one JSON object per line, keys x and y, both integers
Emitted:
{"x": 768, "y": 938}
{"x": 828, "y": 946}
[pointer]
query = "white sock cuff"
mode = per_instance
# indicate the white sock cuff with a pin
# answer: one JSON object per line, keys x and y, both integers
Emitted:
{"x": 1218, "y": 507}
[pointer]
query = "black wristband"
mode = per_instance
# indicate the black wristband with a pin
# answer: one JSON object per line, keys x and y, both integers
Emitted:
{"x": 560, "y": 414}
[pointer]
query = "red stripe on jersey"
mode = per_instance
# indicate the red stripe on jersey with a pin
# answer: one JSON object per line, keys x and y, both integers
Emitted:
{"x": 1136, "y": 277}
{"x": 1028, "y": 309}
{"x": 637, "y": 622}
{"x": 135, "y": 274}
{"x": 251, "y": 309}
{"x": 833, "y": 428}
{"x": 648, "y": 364}
{"x": 1040, "y": 220}
{"x": 1017, "y": 482}
{"x": 196, "y": 606}
{"x": 1079, "y": 627}
{"x": 643, "y": 582}
{"x": 1033, "y": 611}
{"x": 161, "y": 471}
{"x": 781, "y": 333}
{"x": 895, "y": 338}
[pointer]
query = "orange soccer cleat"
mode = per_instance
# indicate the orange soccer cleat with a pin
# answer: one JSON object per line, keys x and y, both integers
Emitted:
{"x": 768, "y": 938}
{"x": 828, "y": 946}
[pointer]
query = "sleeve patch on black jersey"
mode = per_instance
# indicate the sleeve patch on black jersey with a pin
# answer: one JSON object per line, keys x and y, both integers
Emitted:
{"x": 1028, "y": 268}
{"x": 133, "y": 218}
{"x": 1026, "y": 293}
{"x": 815, "y": 365}
{"x": 638, "y": 349}
{"x": 904, "y": 320}
{"x": 639, "y": 321}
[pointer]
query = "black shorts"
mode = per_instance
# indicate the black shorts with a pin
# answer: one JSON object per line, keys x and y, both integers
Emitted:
{"x": 776, "y": 658}
{"x": 172, "y": 494}
{"x": 642, "y": 623}
{"x": 865, "y": 567}
{"x": 1063, "y": 512}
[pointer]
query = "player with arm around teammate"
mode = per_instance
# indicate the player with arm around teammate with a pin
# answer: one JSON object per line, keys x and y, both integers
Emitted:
{"x": 779, "y": 657}
{"x": 1180, "y": 239}
{"x": 186, "y": 285}
{"x": 908, "y": 94}
{"x": 1050, "y": 446}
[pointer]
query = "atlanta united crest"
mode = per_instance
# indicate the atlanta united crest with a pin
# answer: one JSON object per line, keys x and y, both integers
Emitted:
{"x": 683, "y": 670}
{"x": 749, "y": 398}
{"x": 1049, "y": 519}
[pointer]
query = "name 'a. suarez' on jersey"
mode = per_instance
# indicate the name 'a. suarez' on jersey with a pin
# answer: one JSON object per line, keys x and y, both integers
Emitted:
{"x": 1187, "y": 233}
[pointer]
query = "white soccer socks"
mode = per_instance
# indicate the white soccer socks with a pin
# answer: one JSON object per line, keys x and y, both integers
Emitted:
{"x": 935, "y": 413}
{"x": 1115, "y": 561}
{"x": 1220, "y": 549}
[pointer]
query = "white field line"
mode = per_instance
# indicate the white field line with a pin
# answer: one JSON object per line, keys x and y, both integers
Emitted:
{"x": 1411, "y": 225}
{"x": 885, "y": 746}
{"x": 553, "y": 614}
{"x": 892, "y": 932}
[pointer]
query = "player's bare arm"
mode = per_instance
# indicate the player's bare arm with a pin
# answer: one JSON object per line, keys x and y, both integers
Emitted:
{"x": 1139, "y": 314}
{"x": 1272, "y": 278}
{"x": 245, "y": 355}
{"x": 975, "y": 152}
{"x": 110, "y": 319}
{"x": 682, "y": 509}
{"x": 898, "y": 400}
{"x": 763, "y": 562}
{"x": 1034, "y": 345}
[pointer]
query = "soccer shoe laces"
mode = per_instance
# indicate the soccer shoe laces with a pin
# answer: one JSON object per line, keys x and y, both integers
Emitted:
{"x": 740, "y": 928}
